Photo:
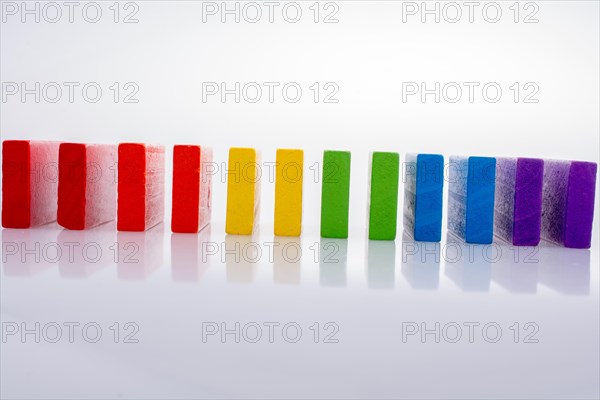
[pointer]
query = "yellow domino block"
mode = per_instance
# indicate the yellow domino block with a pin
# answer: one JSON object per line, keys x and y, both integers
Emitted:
{"x": 288, "y": 192}
{"x": 243, "y": 190}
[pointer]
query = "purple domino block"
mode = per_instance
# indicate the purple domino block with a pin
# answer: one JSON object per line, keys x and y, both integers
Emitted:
{"x": 528, "y": 202}
{"x": 568, "y": 202}
{"x": 518, "y": 202}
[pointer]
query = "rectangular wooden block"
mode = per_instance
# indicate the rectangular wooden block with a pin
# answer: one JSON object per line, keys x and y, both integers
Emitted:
{"x": 191, "y": 205}
{"x": 518, "y": 200}
{"x": 243, "y": 191}
{"x": 481, "y": 185}
{"x": 423, "y": 194}
{"x": 86, "y": 185}
{"x": 29, "y": 183}
{"x": 288, "y": 192}
{"x": 471, "y": 198}
{"x": 335, "y": 194}
{"x": 141, "y": 186}
{"x": 383, "y": 197}
{"x": 568, "y": 202}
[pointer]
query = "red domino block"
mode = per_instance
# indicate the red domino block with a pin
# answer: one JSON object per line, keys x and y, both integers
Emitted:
{"x": 191, "y": 203}
{"x": 29, "y": 183}
{"x": 87, "y": 188}
{"x": 141, "y": 203}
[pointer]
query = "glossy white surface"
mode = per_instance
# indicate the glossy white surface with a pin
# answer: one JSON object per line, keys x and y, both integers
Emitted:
{"x": 177, "y": 288}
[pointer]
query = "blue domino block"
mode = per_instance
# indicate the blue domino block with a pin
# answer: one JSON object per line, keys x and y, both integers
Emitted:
{"x": 471, "y": 198}
{"x": 423, "y": 193}
{"x": 430, "y": 189}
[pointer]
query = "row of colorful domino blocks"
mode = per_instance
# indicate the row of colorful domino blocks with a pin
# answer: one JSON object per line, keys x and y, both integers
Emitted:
{"x": 519, "y": 200}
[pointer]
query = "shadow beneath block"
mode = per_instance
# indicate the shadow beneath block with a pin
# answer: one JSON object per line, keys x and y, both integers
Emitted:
{"x": 516, "y": 269}
{"x": 188, "y": 262}
{"x": 242, "y": 254}
{"x": 564, "y": 270}
{"x": 88, "y": 251}
{"x": 421, "y": 263}
{"x": 140, "y": 253}
{"x": 333, "y": 255}
{"x": 381, "y": 264}
{"x": 28, "y": 252}
{"x": 468, "y": 265}
{"x": 287, "y": 260}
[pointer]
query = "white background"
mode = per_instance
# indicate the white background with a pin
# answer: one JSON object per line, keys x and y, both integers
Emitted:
{"x": 369, "y": 53}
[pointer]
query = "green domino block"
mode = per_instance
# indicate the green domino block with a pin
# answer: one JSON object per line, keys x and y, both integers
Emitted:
{"x": 335, "y": 194}
{"x": 383, "y": 208}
